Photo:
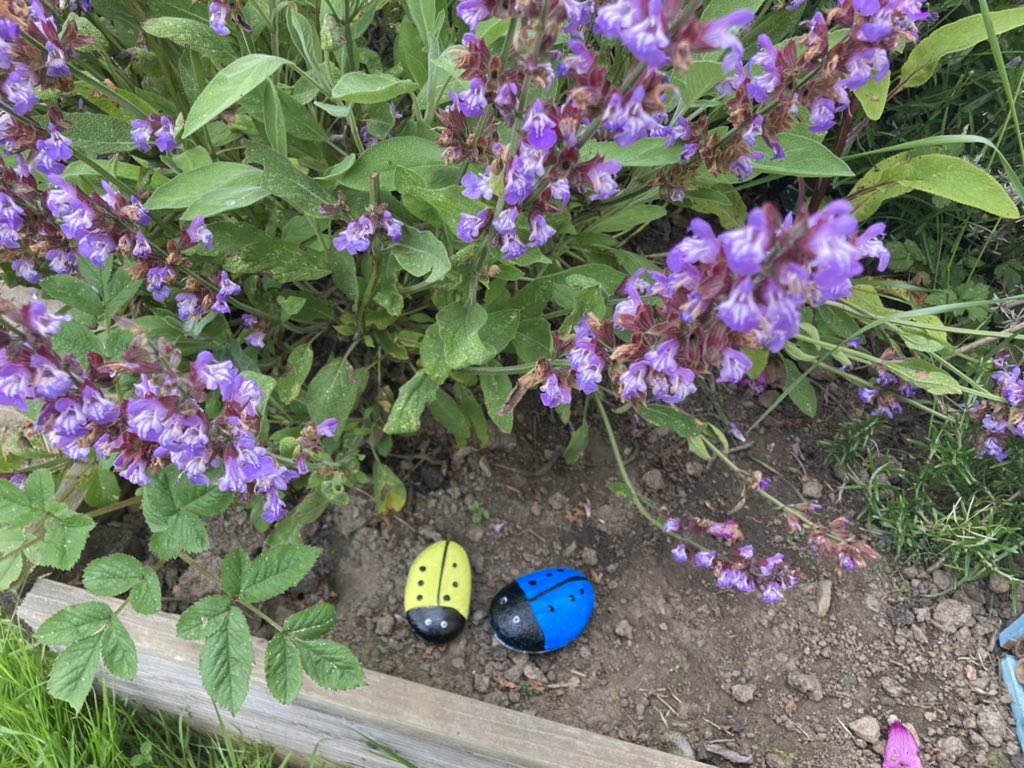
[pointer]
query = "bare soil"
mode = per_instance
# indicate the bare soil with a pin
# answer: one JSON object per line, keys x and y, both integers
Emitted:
{"x": 668, "y": 660}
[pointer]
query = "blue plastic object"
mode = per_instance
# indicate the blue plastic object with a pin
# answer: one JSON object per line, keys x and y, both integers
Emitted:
{"x": 1012, "y": 634}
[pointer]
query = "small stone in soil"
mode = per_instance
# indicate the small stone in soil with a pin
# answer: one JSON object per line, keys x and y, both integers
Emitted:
{"x": 999, "y": 584}
{"x": 481, "y": 683}
{"x": 824, "y": 597}
{"x": 812, "y": 488}
{"x": 807, "y": 684}
{"x": 653, "y": 479}
{"x": 942, "y": 580}
{"x": 991, "y": 726}
{"x": 589, "y": 556}
{"x": 384, "y": 625}
{"x": 777, "y": 761}
{"x": 743, "y": 692}
{"x": 694, "y": 468}
{"x": 867, "y": 728}
{"x": 950, "y": 615}
{"x": 684, "y": 748}
{"x": 624, "y": 630}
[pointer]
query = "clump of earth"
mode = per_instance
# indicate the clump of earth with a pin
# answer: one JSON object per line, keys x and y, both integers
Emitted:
{"x": 669, "y": 661}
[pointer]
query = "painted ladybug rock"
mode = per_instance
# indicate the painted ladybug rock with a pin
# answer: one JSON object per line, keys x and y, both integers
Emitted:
{"x": 542, "y": 611}
{"x": 437, "y": 591}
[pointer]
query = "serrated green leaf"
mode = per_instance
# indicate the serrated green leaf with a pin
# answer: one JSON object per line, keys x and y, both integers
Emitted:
{"x": 73, "y": 292}
{"x": 71, "y": 624}
{"x": 365, "y": 88}
{"x": 10, "y": 569}
{"x": 226, "y": 661}
{"x": 315, "y": 621}
{"x": 112, "y": 575}
{"x": 333, "y": 392}
{"x": 64, "y": 540}
{"x": 283, "y": 669}
{"x": 228, "y": 87}
{"x": 145, "y": 595}
{"x": 169, "y": 493}
{"x": 74, "y": 670}
{"x": 307, "y": 511}
{"x": 274, "y": 572}
{"x": 331, "y": 665}
{"x": 119, "y": 654}
{"x": 413, "y": 397}
{"x": 234, "y": 571}
{"x": 102, "y": 488}
{"x": 40, "y": 489}
{"x": 172, "y": 506}
{"x": 19, "y": 509}
{"x": 200, "y": 619}
{"x": 300, "y": 361}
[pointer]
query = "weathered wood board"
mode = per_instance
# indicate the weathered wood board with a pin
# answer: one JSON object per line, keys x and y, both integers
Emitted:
{"x": 428, "y": 727}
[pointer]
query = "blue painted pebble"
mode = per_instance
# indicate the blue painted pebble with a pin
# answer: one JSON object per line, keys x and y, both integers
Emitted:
{"x": 542, "y": 611}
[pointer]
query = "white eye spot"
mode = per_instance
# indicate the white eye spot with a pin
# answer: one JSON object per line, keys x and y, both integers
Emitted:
{"x": 428, "y": 622}
{"x": 503, "y": 601}
{"x": 515, "y": 619}
{"x": 444, "y": 625}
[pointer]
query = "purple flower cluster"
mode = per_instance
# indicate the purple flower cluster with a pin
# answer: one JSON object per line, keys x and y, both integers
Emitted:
{"x": 737, "y": 570}
{"x": 55, "y": 223}
{"x": 721, "y": 294}
{"x": 836, "y": 540}
{"x": 809, "y": 77}
{"x": 1003, "y": 419}
{"x": 164, "y": 421}
{"x": 155, "y": 128}
{"x": 357, "y": 237}
{"x": 219, "y": 17}
{"x": 552, "y": 95}
{"x": 883, "y": 396}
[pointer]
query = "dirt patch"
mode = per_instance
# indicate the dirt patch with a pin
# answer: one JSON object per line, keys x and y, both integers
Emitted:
{"x": 670, "y": 661}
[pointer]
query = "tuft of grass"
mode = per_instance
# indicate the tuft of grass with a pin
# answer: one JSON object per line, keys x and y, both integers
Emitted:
{"x": 936, "y": 499}
{"x": 40, "y": 731}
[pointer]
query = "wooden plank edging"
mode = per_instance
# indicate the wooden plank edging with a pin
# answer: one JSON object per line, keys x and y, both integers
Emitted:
{"x": 429, "y": 727}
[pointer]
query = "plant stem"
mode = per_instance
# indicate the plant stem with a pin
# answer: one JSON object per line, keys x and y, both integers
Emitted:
{"x": 623, "y": 472}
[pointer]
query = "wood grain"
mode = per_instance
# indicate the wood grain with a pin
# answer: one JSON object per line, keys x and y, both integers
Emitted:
{"x": 428, "y": 727}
